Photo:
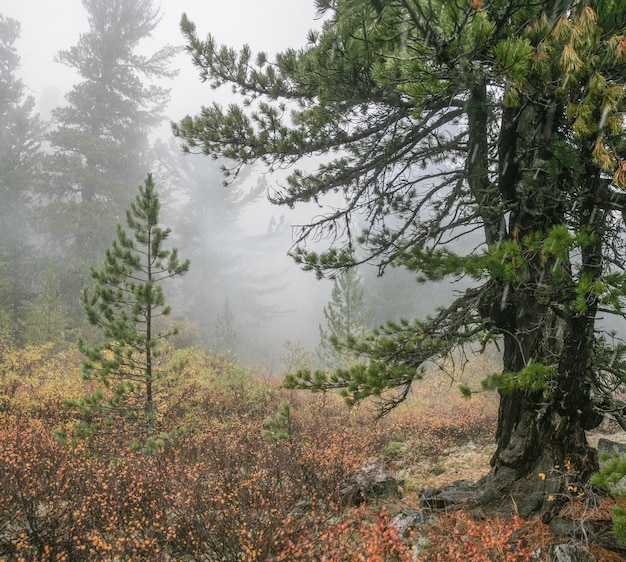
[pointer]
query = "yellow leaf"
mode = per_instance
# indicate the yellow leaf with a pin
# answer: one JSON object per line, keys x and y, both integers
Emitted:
{"x": 570, "y": 61}
{"x": 619, "y": 178}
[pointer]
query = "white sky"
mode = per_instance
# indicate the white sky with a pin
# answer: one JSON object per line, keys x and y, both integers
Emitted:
{"x": 49, "y": 26}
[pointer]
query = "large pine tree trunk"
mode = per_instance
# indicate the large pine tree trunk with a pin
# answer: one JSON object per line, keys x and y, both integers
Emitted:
{"x": 542, "y": 456}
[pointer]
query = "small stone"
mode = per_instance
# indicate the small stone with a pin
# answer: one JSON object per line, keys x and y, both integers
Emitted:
{"x": 569, "y": 553}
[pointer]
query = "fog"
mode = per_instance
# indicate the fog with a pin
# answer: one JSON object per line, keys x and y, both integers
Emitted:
{"x": 239, "y": 259}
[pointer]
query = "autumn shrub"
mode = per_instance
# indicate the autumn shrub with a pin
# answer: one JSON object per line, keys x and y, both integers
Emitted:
{"x": 219, "y": 491}
{"x": 63, "y": 504}
{"x": 219, "y": 496}
{"x": 35, "y": 380}
{"x": 355, "y": 537}
{"x": 217, "y": 488}
{"x": 461, "y": 538}
{"x": 203, "y": 389}
{"x": 433, "y": 427}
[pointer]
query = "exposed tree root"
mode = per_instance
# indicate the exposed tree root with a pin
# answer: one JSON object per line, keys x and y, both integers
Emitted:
{"x": 582, "y": 516}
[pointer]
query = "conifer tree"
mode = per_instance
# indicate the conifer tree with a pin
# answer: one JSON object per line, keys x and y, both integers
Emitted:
{"x": 21, "y": 165}
{"x": 45, "y": 320}
{"x": 100, "y": 138}
{"x": 21, "y": 134}
{"x": 125, "y": 302}
{"x": 346, "y": 319}
{"x": 225, "y": 335}
{"x": 498, "y": 123}
{"x": 228, "y": 261}
{"x": 7, "y": 331}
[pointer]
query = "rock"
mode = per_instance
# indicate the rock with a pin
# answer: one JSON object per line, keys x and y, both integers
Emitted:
{"x": 301, "y": 508}
{"x": 565, "y": 553}
{"x": 412, "y": 524}
{"x": 456, "y": 495}
{"x": 610, "y": 448}
{"x": 410, "y": 519}
{"x": 371, "y": 481}
{"x": 576, "y": 530}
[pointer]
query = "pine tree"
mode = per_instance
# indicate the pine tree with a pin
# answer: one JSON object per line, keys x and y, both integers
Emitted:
{"x": 346, "y": 319}
{"x": 21, "y": 134}
{"x": 99, "y": 139}
{"x": 205, "y": 216}
{"x": 7, "y": 324}
{"x": 45, "y": 320}
{"x": 437, "y": 121}
{"x": 225, "y": 339}
{"x": 125, "y": 302}
{"x": 21, "y": 164}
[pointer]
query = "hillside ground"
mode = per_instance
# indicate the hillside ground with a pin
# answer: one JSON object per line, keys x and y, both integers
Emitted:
{"x": 227, "y": 485}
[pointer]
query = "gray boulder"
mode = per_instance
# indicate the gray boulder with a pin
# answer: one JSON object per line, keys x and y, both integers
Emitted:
{"x": 413, "y": 524}
{"x": 565, "y": 553}
{"x": 371, "y": 481}
{"x": 411, "y": 519}
{"x": 610, "y": 448}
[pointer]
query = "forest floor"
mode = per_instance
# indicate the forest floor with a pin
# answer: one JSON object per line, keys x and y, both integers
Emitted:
{"x": 254, "y": 476}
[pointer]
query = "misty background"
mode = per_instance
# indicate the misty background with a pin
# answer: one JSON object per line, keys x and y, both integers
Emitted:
{"x": 243, "y": 294}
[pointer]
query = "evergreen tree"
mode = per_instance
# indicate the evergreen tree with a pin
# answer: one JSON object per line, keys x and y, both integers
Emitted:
{"x": 100, "y": 138}
{"x": 7, "y": 324}
{"x": 125, "y": 303}
{"x": 346, "y": 318}
{"x": 45, "y": 320}
{"x": 229, "y": 263}
{"x": 225, "y": 339}
{"x": 441, "y": 120}
{"x": 21, "y": 159}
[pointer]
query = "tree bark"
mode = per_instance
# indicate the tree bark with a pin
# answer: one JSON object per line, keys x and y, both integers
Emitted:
{"x": 542, "y": 454}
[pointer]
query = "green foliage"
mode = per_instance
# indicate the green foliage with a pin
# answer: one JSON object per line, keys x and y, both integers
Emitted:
{"x": 99, "y": 139}
{"x": 124, "y": 303}
{"x": 278, "y": 428}
{"x": 465, "y": 391}
{"x": 431, "y": 264}
{"x": 477, "y": 142}
{"x": 513, "y": 56}
{"x": 346, "y": 317}
{"x": 535, "y": 377}
{"x": 21, "y": 170}
{"x": 612, "y": 472}
{"x": 619, "y": 522}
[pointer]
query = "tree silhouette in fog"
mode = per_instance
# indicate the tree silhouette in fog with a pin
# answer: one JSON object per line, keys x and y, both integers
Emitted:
{"x": 21, "y": 165}
{"x": 99, "y": 138}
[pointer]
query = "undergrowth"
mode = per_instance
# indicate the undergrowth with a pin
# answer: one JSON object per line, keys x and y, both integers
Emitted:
{"x": 221, "y": 487}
